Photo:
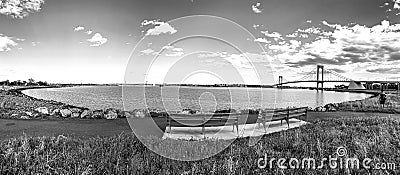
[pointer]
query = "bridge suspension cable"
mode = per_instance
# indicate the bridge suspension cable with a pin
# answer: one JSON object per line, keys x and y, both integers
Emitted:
{"x": 328, "y": 76}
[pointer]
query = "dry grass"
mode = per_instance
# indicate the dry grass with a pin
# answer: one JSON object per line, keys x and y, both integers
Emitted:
{"x": 392, "y": 105}
{"x": 375, "y": 138}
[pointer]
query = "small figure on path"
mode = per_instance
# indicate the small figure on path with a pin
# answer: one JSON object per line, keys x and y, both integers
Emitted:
{"x": 382, "y": 99}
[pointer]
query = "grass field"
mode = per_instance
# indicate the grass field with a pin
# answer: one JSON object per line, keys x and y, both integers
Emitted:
{"x": 372, "y": 137}
{"x": 392, "y": 105}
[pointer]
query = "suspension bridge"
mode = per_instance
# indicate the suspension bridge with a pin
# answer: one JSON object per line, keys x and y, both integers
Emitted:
{"x": 322, "y": 75}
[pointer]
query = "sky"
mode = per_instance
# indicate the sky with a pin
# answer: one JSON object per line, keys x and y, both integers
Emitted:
{"x": 197, "y": 41}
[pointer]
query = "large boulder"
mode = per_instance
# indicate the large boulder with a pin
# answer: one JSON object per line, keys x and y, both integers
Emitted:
{"x": 66, "y": 113}
{"x": 98, "y": 114}
{"x": 188, "y": 111}
{"x": 76, "y": 112}
{"x": 111, "y": 115}
{"x": 55, "y": 112}
{"x": 2, "y": 104}
{"x": 141, "y": 113}
{"x": 25, "y": 117}
{"x": 121, "y": 114}
{"x": 42, "y": 110}
{"x": 75, "y": 115}
{"x": 129, "y": 114}
{"x": 86, "y": 114}
{"x": 14, "y": 115}
{"x": 29, "y": 114}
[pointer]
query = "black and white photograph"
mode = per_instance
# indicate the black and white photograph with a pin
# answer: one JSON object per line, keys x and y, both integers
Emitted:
{"x": 199, "y": 87}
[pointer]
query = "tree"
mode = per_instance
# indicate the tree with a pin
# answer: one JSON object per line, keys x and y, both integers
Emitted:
{"x": 31, "y": 81}
{"x": 42, "y": 83}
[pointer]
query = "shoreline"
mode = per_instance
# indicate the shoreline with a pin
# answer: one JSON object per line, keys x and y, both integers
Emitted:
{"x": 54, "y": 110}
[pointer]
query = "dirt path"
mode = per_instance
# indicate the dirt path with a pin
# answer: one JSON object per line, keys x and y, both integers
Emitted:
{"x": 92, "y": 128}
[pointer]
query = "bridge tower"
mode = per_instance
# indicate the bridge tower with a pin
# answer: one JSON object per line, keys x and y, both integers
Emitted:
{"x": 280, "y": 82}
{"x": 320, "y": 67}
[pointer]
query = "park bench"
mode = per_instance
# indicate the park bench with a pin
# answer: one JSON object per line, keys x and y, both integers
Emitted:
{"x": 281, "y": 114}
{"x": 203, "y": 120}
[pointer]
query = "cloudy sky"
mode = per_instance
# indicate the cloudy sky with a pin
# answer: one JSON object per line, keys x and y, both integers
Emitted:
{"x": 93, "y": 41}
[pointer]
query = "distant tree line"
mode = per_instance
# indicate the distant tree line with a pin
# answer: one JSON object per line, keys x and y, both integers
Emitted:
{"x": 30, "y": 82}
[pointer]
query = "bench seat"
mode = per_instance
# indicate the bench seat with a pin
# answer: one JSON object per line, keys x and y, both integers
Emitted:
{"x": 203, "y": 120}
{"x": 281, "y": 115}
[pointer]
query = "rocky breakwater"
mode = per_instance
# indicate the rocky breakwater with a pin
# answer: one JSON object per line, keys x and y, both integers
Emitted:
{"x": 370, "y": 104}
{"x": 16, "y": 105}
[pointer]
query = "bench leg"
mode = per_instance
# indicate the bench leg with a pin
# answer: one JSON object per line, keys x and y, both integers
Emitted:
{"x": 287, "y": 121}
{"x": 237, "y": 127}
{"x": 261, "y": 122}
{"x": 265, "y": 129}
{"x": 203, "y": 131}
{"x": 169, "y": 126}
{"x": 281, "y": 122}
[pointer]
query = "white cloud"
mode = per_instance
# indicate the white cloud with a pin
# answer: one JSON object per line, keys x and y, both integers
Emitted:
{"x": 256, "y": 8}
{"x": 174, "y": 54}
{"x": 167, "y": 47}
{"x": 6, "y": 43}
{"x": 275, "y": 35}
{"x": 177, "y": 49}
{"x": 262, "y": 40}
{"x": 331, "y": 25}
{"x": 312, "y": 30}
{"x": 20, "y": 8}
{"x": 79, "y": 28}
{"x": 239, "y": 60}
{"x": 35, "y": 43}
{"x": 243, "y": 60}
{"x": 163, "y": 28}
{"x": 256, "y": 26}
{"x": 151, "y": 22}
{"x": 172, "y": 51}
{"x": 212, "y": 55}
{"x": 168, "y": 50}
{"x": 97, "y": 40}
{"x": 159, "y": 27}
{"x": 350, "y": 48}
{"x": 297, "y": 35}
{"x": 148, "y": 51}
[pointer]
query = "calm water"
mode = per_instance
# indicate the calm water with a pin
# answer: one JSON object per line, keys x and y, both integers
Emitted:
{"x": 178, "y": 98}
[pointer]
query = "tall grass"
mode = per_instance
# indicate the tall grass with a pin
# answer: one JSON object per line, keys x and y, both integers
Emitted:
{"x": 392, "y": 105}
{"x": 375, "y": 138}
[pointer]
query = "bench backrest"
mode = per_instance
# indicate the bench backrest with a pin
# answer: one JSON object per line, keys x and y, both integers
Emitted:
{"x": 288, "y": 112}
{"x": 210, "y": 116}
{"x": 225, "y": 116}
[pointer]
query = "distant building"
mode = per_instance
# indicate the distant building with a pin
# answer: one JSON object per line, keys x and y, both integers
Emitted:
{"x": 355, "y": 85}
